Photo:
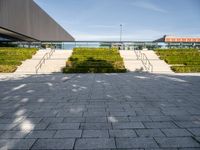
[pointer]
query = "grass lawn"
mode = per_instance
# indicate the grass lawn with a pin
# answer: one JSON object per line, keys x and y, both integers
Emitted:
{"x": 95, "y": 60}
{"x": 11, "y": 58}
{"x": 182, "y": 60}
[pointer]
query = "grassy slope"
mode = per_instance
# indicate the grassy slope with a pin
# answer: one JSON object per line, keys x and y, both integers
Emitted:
{"x": 95, "y": 60}
{"x": 182, "y": 60}
{"x": 11, "y": 58}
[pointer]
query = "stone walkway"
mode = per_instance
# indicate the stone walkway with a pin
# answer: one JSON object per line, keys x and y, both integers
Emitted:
{"x": 100, "y": 111}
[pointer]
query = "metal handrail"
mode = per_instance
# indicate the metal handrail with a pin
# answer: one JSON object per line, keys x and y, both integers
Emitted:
{"x": 51, "y": 53}
{"x": 145, "y": 61}
{"x": 43, "y": 60}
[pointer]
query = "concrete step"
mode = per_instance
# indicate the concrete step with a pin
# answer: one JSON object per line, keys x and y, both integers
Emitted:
{"x": 56, "y": 63}
{"x": 52, "y": 65}
{"x": 130, "y": 61}
{"x": 132, "y": 64}
{"x": 159, "y": 66}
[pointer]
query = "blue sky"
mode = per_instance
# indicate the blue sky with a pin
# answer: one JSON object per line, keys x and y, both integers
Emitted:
{"x": 141, "y": 19}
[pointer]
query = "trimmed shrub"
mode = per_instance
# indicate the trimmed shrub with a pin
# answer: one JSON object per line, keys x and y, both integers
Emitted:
{"x": 182, "y": 60}
{"x": 185, "y": 69}
{"x": 94, "y": 60}
{"x": 11, "y": 58}
{"x": 7, "y": 68}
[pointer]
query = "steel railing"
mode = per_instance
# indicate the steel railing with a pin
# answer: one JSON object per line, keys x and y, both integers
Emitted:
{"x": 43, "y": 60}
{"x": 145, "y": 61}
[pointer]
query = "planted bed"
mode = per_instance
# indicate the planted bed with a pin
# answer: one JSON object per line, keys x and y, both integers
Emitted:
{"x": 95, "y": 60}
{"x": 11, "y": 58}
{"x": 182, "y": 60}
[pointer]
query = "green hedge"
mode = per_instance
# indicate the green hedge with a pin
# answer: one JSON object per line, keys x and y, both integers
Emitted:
{"x": 182, "y": 60}
{"x": 7, "y": 68}
{"x": 185, "y": 69}
{"x": 11, "y": 58}
{"x": 95, "y": 60}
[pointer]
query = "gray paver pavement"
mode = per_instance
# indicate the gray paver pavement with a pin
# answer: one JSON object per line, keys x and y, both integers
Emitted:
{"x": 100, "y": 111}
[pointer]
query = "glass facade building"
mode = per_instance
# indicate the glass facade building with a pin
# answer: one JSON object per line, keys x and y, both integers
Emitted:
{"x": 127, "y": 45}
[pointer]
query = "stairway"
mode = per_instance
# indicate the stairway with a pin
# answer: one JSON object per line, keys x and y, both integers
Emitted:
{"x": 130, "y": 61}
{"x": 28, "y": 66}
{"x": 159, "y": 66}
{"x": 56, "y": 62}
{"x": 52, "y": 65}
{"x": 132, "y": 64}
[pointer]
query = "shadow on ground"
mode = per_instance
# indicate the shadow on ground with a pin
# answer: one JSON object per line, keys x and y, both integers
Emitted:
{"x": 99, "y": 111}
{"x": 92, "y": 65}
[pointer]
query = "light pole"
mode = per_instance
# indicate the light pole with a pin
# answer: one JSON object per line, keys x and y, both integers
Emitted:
{"x": 121, "y": 27}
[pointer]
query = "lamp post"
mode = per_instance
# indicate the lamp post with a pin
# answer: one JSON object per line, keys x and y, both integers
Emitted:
{"x": 121, "y": 27}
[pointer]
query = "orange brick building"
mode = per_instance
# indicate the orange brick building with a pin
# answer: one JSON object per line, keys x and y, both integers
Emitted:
{"x": 171, "y": 39}
{"x": 179, "y": 42}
